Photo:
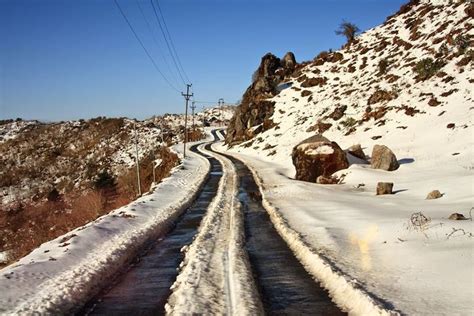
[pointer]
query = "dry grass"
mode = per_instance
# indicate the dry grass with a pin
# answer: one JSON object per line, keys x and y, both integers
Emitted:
{"x": 25, "y": 227}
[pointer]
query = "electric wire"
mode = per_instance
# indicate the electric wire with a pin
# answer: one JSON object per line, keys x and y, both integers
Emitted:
{"x": 162, "y": 55}
{"x": 167, "y": 42}
{"x": 171, "y": 40}
{"x": 143, "y": 46}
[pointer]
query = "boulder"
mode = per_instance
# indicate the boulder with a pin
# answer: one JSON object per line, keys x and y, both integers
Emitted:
{"x": 435, "y": 194}
{"x": 338, "y": 112}
{"x": 327, "y": 180}
{"x": 311, "y": 82}
{"x": 317, "y": 156}
{"x": 383, "y": 158}
{"x": 379, "y": 96}
{"x": 356, "y": 151}
{"x": 319, "y": 127}
{"x": 384, "y": 188}
{"x": 456, "y": 217}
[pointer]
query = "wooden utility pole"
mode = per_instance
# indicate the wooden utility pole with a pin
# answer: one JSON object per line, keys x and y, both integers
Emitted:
{"x": 193, "y": 106}
{"x": 221, "y": 104}
{"x": 186, "y": 96}
{"x": 137, "y": 160}
{"x": 154, "y": 166}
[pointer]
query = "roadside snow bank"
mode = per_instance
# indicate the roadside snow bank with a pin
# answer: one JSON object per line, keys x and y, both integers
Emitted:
{"x": 62, "y": 274}
{"x": 344, "y": 291}
{"x": 216, "y": 277}
{"x": 363, "y": 248}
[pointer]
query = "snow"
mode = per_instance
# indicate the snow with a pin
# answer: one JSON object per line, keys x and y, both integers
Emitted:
{"x": 64, "y": 273}
{"x": 11, "y": 130}
{"x": 363, "y": 247}
{"x": 216, "y": 277}
{"x": 321, "y": 150}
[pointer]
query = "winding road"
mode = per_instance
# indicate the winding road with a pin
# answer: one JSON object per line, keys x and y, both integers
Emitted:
{"x": 224, "y": 270}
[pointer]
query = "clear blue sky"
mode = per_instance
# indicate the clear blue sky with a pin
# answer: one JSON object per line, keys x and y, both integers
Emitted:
{"x": 70, "y": 59}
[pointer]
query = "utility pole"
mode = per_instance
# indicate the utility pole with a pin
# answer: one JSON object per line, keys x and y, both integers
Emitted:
{"x": 193, "y": 106}
{"x": 154, "y": 166}
{"x": 186, "y": 96}
{"x": 221, "y": 104}
{"x": 137, "y": 160}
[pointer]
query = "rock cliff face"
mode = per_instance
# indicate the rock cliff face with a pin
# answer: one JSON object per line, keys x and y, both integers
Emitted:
{"x": 253, "y": 114}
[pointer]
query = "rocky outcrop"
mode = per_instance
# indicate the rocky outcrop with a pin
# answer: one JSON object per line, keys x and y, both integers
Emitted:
{"x": 253, "y": 115}
{"x": 317, "y": 156}
{"x": 383, "y": 158}
{"x": 381, "y": 95}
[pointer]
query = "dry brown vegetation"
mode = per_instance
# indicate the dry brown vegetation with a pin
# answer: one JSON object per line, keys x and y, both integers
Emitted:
{"x": 27, "y": 226}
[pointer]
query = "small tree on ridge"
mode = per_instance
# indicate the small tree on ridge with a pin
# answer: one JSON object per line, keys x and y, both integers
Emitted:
{"x": 348, "y": 29}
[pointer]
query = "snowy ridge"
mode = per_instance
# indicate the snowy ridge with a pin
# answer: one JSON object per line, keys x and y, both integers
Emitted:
{"x": 64, "y": 273}
{"x": 216, "y": 277}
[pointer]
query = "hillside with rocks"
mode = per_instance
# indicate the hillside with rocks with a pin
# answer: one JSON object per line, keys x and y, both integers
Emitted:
{"x": 411, "y": 75}
{"x": 58, "y": 176}
{"x": 365, "y": 157}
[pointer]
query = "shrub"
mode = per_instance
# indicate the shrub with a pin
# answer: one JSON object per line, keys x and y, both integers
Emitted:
{"x": 104, "y": 180}
{"x": 443, "y": 50}
{"x": 349, "y": 122}
{"x": 348, "y": 29}
{"x": 462, "y": 43}
{"x": 53, "y": 195}
{"x": 426, "y": 68}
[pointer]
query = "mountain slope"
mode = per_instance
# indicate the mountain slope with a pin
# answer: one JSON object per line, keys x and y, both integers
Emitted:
{"x": 347, "y": 93}
{"x": 406, "y": 84}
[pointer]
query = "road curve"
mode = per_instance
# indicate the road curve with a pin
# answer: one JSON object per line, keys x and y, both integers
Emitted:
{"x": 217, "y": 276}
{"x": 145, "y": 287}
{"x": 284, "y": 285}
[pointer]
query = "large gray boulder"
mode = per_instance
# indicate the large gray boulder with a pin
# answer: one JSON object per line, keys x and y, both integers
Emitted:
{"x": 383, "y": 158}
{"x": 316, "y": 157}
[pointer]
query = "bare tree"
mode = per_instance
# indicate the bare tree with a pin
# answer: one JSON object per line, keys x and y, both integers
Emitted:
{"x": 348, "y": 29}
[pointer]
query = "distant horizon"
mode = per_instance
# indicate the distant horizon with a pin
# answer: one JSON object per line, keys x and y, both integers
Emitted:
{"x": 105, "y": 116}
{"x": 67, "y": 61}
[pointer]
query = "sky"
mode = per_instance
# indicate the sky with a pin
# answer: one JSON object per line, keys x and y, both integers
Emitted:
{"x": 69, "y": 59}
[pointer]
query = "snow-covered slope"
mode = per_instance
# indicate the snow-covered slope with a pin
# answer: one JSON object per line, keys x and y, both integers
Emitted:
{"x": 370, "y": 93}
{"x": 62, "y": 274}
{"x": 216, "y": 115}
{"x": 408, "y": 118}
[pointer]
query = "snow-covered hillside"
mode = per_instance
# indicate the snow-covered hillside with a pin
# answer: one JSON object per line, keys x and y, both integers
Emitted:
{"x": 394, "y": 107}
{"x": 406, "y": 84}
{"x": 216, "y": 116}
{"x": 38, "y": 157}
{"x": 58, "y": 176}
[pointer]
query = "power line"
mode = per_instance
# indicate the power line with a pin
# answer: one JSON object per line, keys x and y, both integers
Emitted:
{"x": 171, "y": 39}
{"x": 150, "y": 29}
{"x": 143, "y": 46}
{"x": 167, "y": 42}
